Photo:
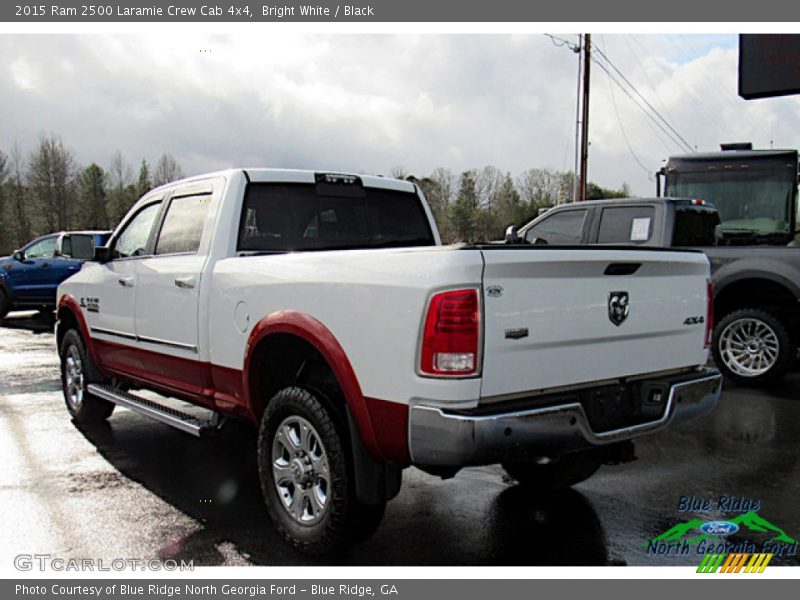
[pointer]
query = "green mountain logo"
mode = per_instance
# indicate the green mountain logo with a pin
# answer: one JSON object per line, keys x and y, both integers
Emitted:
{"x": 751, "y": 521}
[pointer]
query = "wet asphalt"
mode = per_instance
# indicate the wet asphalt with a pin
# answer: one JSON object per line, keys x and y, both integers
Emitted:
{"x": 138, "y": 489}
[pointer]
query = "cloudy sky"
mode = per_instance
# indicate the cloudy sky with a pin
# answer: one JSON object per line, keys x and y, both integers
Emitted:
{"x": 369, "y": 103}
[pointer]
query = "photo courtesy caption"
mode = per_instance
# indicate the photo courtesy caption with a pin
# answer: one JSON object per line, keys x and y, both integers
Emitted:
{"x": 124, "y": 589}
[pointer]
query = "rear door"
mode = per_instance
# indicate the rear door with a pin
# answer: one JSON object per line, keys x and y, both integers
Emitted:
{"x": 562, "y": 317}
{"x": 632, "y": 223}
{"x": 168, "y": 291}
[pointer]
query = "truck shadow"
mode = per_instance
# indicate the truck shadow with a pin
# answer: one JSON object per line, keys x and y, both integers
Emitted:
{"x": 558, "y": 529}
{"x": 214, "y": 481}
{"x": 37, "y": 322}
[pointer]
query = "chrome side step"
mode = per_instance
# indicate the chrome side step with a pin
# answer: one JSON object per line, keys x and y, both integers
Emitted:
{"x": 173, "y": 417}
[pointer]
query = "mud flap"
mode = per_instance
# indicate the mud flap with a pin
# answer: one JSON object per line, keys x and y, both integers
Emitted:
{"x": 376, "y": 482}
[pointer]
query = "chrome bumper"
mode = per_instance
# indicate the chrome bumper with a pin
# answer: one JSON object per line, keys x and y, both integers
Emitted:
{"x": 444, "y": 438}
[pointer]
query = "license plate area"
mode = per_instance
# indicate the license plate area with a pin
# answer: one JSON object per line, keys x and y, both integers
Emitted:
{"x": 616, "y": 406}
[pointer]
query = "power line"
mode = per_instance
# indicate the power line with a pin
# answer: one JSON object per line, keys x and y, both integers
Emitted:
{"x": 699, "y": 102}
{"x": 649, "y": 124}
{"x": 729, "y": 99}
{"x": 675, "y": 140}
{"x": 649, "y": 105}
{"x": 561, "y": 42}
{"x": 658, "y": 120}
{"x": 622, "y": 128}
{"x": 653, "y": 87}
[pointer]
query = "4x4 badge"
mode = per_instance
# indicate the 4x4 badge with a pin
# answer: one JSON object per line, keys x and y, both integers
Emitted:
{"x": 618, "y": 307}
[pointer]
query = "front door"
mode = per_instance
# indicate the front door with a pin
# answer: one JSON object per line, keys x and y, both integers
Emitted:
{"x": 110, "y": 307}
{"x": 33, "y": 278}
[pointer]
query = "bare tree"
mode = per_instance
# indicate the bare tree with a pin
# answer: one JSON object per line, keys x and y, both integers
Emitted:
{"x": 120, "y": 173}
{"x": 51, "y": 177}
{"x": 4, "y": 237}
{"x": 438, "y": 189}
{"x": 445, "y": 184}
{"x": 487, "y": 183}
{"x": 541, "y": 187}
{"x": 21, "y": 231}
{"x": 121, "y": 192}
{"x": 399, "y": 172}
{"x": 167, "y": 170}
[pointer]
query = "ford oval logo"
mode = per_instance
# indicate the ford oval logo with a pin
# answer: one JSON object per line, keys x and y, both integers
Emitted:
{"x": 719, "y": 527}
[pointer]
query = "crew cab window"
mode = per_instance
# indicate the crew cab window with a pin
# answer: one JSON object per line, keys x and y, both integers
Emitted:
{"x": 183, "y": 225}
{"x": 626, "y": 224}
{"x": 45, "y": 248}
{"x": 563, "y": 228}
{"x": 294, "y": 217}
{"x": 133, "y": 239}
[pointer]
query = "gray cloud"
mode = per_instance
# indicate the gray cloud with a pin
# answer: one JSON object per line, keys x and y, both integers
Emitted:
{"x": 371, "y": 102}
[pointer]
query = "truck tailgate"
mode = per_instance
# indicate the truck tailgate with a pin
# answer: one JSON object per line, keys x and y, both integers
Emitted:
{"x": 556, "y": 317}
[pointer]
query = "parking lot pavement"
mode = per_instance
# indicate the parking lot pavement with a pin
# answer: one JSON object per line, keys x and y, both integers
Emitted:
{"x": 137, "y": 489}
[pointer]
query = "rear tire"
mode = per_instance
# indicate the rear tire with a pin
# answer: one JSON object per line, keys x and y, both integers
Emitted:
{"x": 559, "y": 473}
{"x": 752, "y": 347}
{"x": 307, "y": 476}
{"x": 77, "y": 372}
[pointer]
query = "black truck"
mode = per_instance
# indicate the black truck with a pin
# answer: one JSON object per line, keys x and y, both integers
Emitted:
{"x": 756, "y": 287}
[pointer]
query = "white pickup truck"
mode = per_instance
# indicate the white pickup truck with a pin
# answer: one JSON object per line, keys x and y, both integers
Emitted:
{"x": 322, "y": 308}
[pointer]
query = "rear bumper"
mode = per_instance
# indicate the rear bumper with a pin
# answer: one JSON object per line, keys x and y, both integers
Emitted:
{"x": 453, "y": 439}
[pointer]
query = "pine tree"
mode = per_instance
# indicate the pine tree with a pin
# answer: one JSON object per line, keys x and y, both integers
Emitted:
{"x": 144, "y": 184}
{"x": 92, "y": 185}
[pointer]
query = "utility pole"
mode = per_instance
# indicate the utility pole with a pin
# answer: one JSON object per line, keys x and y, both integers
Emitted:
{"x": 576, "y": 167}
{"x": 587, "y": 49}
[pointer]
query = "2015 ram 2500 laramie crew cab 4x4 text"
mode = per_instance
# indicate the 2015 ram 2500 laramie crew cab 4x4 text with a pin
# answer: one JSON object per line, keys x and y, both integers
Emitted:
{"x": 323, "y": 309}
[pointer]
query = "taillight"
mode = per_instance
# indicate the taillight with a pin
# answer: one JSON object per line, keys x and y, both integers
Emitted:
{"x": 450, "y": 338}
{"x": 709, "y": 313}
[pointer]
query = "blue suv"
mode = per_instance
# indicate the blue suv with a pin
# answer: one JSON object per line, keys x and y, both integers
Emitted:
{"x": 30, "y": 277}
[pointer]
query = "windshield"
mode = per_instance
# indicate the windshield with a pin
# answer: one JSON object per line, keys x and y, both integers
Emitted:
{"x": 754, "y": 202}
{"x": 281, "y": 217}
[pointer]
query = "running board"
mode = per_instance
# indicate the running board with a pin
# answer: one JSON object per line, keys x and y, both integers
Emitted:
{"x": 173, "y": 417}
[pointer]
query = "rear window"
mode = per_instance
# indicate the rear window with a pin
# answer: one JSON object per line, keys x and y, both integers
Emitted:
{"x": 183, "y": 225}
{"x": 626, "y": 225}
{"x": 327, "y": 216}
{"x": 694, "y": 226}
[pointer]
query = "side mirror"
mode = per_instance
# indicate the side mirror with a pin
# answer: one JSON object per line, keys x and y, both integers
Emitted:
{"x": 539, "y": 242}
{"x": 102, "y": 254}
{"x": 511, "y": 235}
{"x": 77, "y": 246}
{"x": 19, "y": 255}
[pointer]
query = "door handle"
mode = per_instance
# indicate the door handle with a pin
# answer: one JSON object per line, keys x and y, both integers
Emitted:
{"x": 126, "y": 281}
{"x": 185, "y": 282}
{"x": 46, "y": 266}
